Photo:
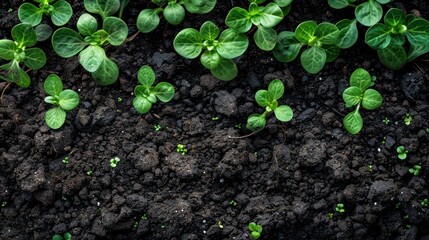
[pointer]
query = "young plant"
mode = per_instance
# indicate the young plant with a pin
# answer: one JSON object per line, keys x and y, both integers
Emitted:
{"x": 146, "y": 94}
{"x": 60, "y": 12}
{"x": 64, "y": 100}
{"x": 425, "y": 202}
{"x": 181, "y": 149}
{"x": 320, "y": 39}
{"x": 173, "y": 12}
{"x": 408, "y": 119}
{"x": 218, "y": 48}
{"x": 104, "y": 8}
{"x": 415, "y": 170}
{"x": 255, "y": 230}
{"x": 65, "y": 236}
{"x": 264, "y": 18}
{"x": 89, "y": 43}
{"x": 18, "y": 50}
{"x": 359, "y": 94}
{"x": 114, "y": 162}
{"x": 340, "y": 208}
{"x": 268, "y": 99}
{"x": 402, "y": 152}
{"x": 388, "y": 38}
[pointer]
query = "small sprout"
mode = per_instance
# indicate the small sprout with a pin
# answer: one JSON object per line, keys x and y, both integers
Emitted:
{"x": 89, "y": 172}
{"x": 255, "y": 230}
{"x": 220, "y": 225}
{"x": 181, "y": 149}
{"x": 408, "y": 226}
{"x": 402, "y": 152}
{"x": 330, "y": 215}
{"x": 157, "y": 127}
{"x": 370, "y": 167}
{"x": 407, "y": 119}
{"x": 340, "y": 208}
{"x": 162, "y": 226}
{"x": 66, "y": 160}
{"x": 119, "y": 99}
{"x": 3, "y": 204}
{"x": 233, "y": 203}
{"x": 383, "y": 141}
{"x": 427, "y": 130}
{"x": 238, "y": 126}
{"x": 64, "y": 198}
{"x": 145, "y": 216}
{"x": 415, "y": 170}
{"x": 114, "y": 162}
{"x": 386, "y": 121}
{"x": 10, "y": 10}
{"x": 406, "y": 216}
{"x": 425, "y": 202}
{"x": 65, "y": 236}
{"x": 215, "y": 118}
{"x": 136, "y": 224}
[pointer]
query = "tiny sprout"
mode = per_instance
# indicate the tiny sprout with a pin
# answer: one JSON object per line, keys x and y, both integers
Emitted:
{"x": 215, "y": 118}
{"x": 162, "y": 226}
{"x": 220, "y": 225}
{"x": 136, "y": 224}
{"x": 114, "y": 162}
{"x": 119, "y": 99}
{"x": 65, "y": 236}
{"x": 145, "y": 216}
{"x": 64, "y": 198}
{"x": 407, "y": 119}
{"x": 10, "y": 10}
{"x": 255, "y": 230}
{"x": 425, "y": 202}
{"x": 181, "y": 149}
{"x": 238, "y": 125}
{"x": 157, "y": 127}
{"x": 66, "y": 160}
{"x": 415, "y": 170}
{"x": 340, "y": 208}
{"x": 330, "y": 215}
{"x": 89, "y": 172}
{"x": 402, "y": 152}
{"x": 233, "y": 203}
{"x": 427, "y": 130}
{"x": 3, "y": 204}
{"x": 370, "y": 167}
{"x": 386, "y": 121}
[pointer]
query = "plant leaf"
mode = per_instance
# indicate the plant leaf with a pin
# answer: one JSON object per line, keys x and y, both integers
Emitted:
{"x": 418, "y": 32}
{"x": 117, "y": 30}
{"x": 174, "y": 13}
{"x": 283, "y": 113}
{"x": 313, "y": 59}
{"x": 276, "y": 89}
{"x": 188, "y": 43}
{"x": 209, "y": 31}
{"x": 87, "y": 24}
{"x": 393, "y": 56}
{"x": 263, "y": 98}
{"x": 68, "y": 99}
{"x": 210, "y": 59}
{"x": 287, "y": 47}
{"x": 378, "y": 36}
{"x": 107, "y": 73}
{"x": 55, "y": 118}
{"x": 353, "y": 122}
{"x": 62, "y": 13}
{"x": 368, "y": 13}
{"x": 103, "y": 7}
{"x": 232, "y": 44}
{"x": 146, "y": 76}
{"x": 327, "y": 33}
{"x": 352, "y": 96}
{"x": 7, "y": 49}
{"x": 91, "y": 57}
{"x": 361, "y": 78}
{"x": 164, "y": 91}
{"x": 226, "y": 70}
{"x": 338, "y": 4}
{"x": 142, "y": 105}
{"x": 53, "y": 85}
{"x": 24, "y": 34}
{"x": 305, "y": 31}
{"x": 238, "y": 19}
{"x": 147, "y": 20}
{"x": 348, "y": 33}
{"x": 265, "y": 38}
{"x": 332, "y": 52}
{"x": 30, "y": 14}
{"x": 271, "y": 15}
{"x": 256, "y": 122}
{"x": 394, "y": 17}
{"x": 35, "y": 58}
{"x": 43, "y": 32}
{"x": 199, "y": 6}
{"x": 67, "y": 42}
{"x": 371, "y": 99}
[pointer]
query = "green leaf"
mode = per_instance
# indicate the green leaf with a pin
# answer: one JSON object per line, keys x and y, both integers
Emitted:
{"x": 256, "y": 122}
{"x": 51, "y": 100}
{"x": 24, "y": 35}
{"x": 327, "y": 33}
{"x": 276, "y": 89}
{"x": 67, "y": 42}
{"x": 271, "y": 15}
{"x": 53, "y": 85}
{"x": 416, "y": 51}
{"x": 62, "y": 13}
{"x": 238, "y": 19}
{"x": 255, "y": 235}
{"x": 232, "y": 44}
{"x": 371, "y": 99}
{"x": 7, "y": 49}
{"x": 142, "y": 105}
{"x": 384, "y": 1}
{"x": 164, "y": 91}
{"x": 68, "y": 99}
{"x": 409, "y": 18}
{"x": 188, "y": 43}
{"x": 16, "y": 75}
{"x": 394, "y": 17}
{"x": 67, "y": 236}
{"x": 55, "y": 118}
{"x": 313, "y": 59}
{"x": 57, "y": 237}
{"x": 305, "y": 31}
{"x": 30, "y": 14}
{"x": 147, "y": 20}
{"x": 87, "y": 24}
{"x": 418, "y": 32}
{"x": 265, "y": 38}
{"x": 283, "y": 3}
{"x": 393, "y": 56}
{"x": 174, "y": 13}
{"x": 287, "y": 47}
{"x": 352, "y": 96}
{"x": 348, "y": 33}
{"x": 210, "y": 59}
{"x": 35, "y": 58}
{"x": 104, "y": 8}
{"x": 353, "y": 122}
{"x": 226, "y": 70}
{"x": 146, "y": 76}
{"x": 107, "y": 73}
{"x": 263, "y": 98}
{"x": 397, "y": 39}
{"x": 142, "y": 91}
{"x": 361, "y": 78}
{"x": 378, "y": 36}
{"x": 332, "y": 52}
{"x": 283, "y": 113}
{"x": 199, "y": 6}
{"x": 43, "y": 32}
{"x": 92, "y": 57}
{"x": 338, "y": 4}
{"x": 369, "y": 13}
{"x": 209, "y": 31}
{"x": 117, "y": 30}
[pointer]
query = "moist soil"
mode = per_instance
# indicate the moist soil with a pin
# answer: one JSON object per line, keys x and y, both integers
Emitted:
{"x": 288, "y": 177}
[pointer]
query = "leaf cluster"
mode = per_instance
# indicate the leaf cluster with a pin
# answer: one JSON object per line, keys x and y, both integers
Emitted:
{"x": 60, "y": 12}
{"x": 173, "y": 12}
{"x": 146, "y": 94}
{"x": 255, "y": 230}
{"x": 18, "y": 50}
{"x": 402, "y": 152}
{"x": 218, "y": 48}
{"x": 269, "y": 99}
{"x": 64, "y": 100}
{"x": 65, "y": 236}
{"x": 359, "y": 94}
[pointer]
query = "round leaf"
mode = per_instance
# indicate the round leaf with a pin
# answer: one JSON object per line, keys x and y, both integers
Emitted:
{"x": 164, "y": 91}
{"x": 147, "y": 20}
{"x": 256, "y": 122}
{"x": 7, "y": 49}
{"x": 283, "y": 113}
{"x": 394, "y": 17}
{"x": 313, "y": 59}
{"x": 265, "y": 38}
{"x": 361, "y": 78}
{"x": 142, "y": 105}
{"x": 188, "y": 43}
{"x": 369, "y": 13}
{"x": 226, "y": 70}
{"x": 263, "y": 98}
{"x": 16, "y": 75}
{"x": 146, "y": 76}
{"x": 30, "y": 14}
{"x": 53, "y": 85}
{"x": 352, "y": 96}
{"x": 199, "y": 6}
{"x": 35, "y": 58}
{"x": 43, "y": 32}
{"x": 107, "y": 73}
{"x": 305, "y": 31}
{"x": 287, "y": 47}
{"x": 353, "y": 122}
{"x": 371, "y": 99}
{"x": 271, "y": 15}
{"x": 210, "y": 59}
{"x": 348, "y": 33}
{"x": 68, "y": 99}
{"x": 105, "y": 8}
{"x": 92, "y": 57}
{"x": 174, "y": 13}
{"x": 338, "y": 4}
{"x": 117, "y": 30}
{"x": 393, "y": 56}
{"x": 332, "y": 52}
{"x": 232, "y": 44}
{"x": 62, "y": 13}
{"x": 55, "y": 118}
{"x": 67, "y": 42}
{"x": 418, "y": 32}
{"x": 209, "y": 31}
{"x": 238, "y": 19}
{"x": 378, "y": 36}
{"x": 87, "y": 24}
{"x": 24, "y": 35}
{"x": 283, "y": 3}
{"x": 276, "y": 89}
{"x": 327, "y": 33}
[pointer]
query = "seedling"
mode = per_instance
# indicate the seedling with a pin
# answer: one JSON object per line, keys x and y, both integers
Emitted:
{"x": 386, "y": 121}
{"x": 233, "y": 203}
{"x": 268, "y": 99}
{"x": 65, "y": 236}
{"x": 255, "y": 230}
{"x": 359, "y": 94}
{"x": 119, "y": 99}
{"x": 407, "y": 119}
{"x": 330, "y": 215}
{"x": 114, "y": 162}
{"x": 64, "y": 100}
{"x": 402, "y": 152}
{"x": 104, "y": 8}
{"x": 215, "y": 118}
{"x": 60, "y": 12}
{"x": 18, "y": 50}
{"x": 181, "y": 149}
{"x": 174, "y": 13}
{"x": 218, "y": 48}
{"x": 89, "y": 172}
{"x": 340, "y": 208}
{"x": 220, "y": 224}
{"x": 3, "y": 204}
{"x": 157, "y": 127}
{"x": 370, "y": 167}
{"x": 89, "y": 43}
{"x": 415, "y": 170}
{"x": 425, "y": 202}
{"x": 146, "y": 94}
{"x": 66, "y": 160}
{"x": 320, "y": 40}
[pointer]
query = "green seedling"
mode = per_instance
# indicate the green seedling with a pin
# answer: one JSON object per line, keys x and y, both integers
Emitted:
{"x": 43, "y": 32}
{"x": 386, "y": 121}
{"x": 173, "y": 12}
{"x": 220, "y": 224}
{"x": 146, "y": 94}
{"x": 10, "y": 10}
{"x": 18, "y": 50}
{"x": 3, "y": 204}
{"x": 319, "y": 39}
{"x": 89, "y": 172}
{"x": 145, "y": 216}
{"x": 269, "y": 99}
{"x": 65, "y": 236}
{"x": 59, "y": 11}
{"x": 415, "y": 170}
{"x": 370, "y": 167}
{"x": 64, "y": 100}
{"x": 215, "y": 118}
{"x": 255, "y": 230}
{"x": 89, "y": 41}
{"x": 330, "y": 215}
{"x": 408, "y": 119}
{"x": 425, "y": 202}
{"x": 218, "y": 48}
{"x": 340, "y": 208}
{"x": 181, "y": 149}
{"x": 427, "y": 130}
{"x": 359, "y": 94}
{"x": 265, "y": 18}
{"x": 157, "y": 127}
{"x": 233, "y": 203}
{"x": 66, "y": 160}
{"x": 402, "y": 152}
{"x": 114, "y": 162}
{"x": 104, "y": 8}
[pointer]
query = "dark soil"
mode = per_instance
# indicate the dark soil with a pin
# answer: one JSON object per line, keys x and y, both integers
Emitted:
{"x": 287, "y": 178}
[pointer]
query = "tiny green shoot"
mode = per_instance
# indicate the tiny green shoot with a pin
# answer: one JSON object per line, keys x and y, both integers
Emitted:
{"x": 65, "y": 236}
{"x": 66, "y": 160}
{"x": 415, "y": 170}
{"x": 386, "y": 121}
{"x": 255, "y": 230}
{"x": 402, "y": 152}
{"x": 89, "y": 172}
{"x": 157, "y": 127}
{"x": 215, "y": 118}
{"x": 233, "y": 203}
{"x": 425, "y": 202}
{"x": 181, "y": 149}
{"x": 114, "y": 162}
{"x": 220, "y": 224}
{"x": 340, "y": 208}
{"x": 119, "y": 99}
{"x": 3, "y": 204}
{"x": 407, "y": 119}
{"x": 330, "y": 215}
